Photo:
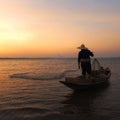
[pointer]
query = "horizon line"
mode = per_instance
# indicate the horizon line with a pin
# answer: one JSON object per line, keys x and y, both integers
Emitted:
{"x": 52, "y": 57}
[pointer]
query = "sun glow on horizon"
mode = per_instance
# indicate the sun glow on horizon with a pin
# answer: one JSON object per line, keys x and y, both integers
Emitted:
{"x": 45, "y": 28}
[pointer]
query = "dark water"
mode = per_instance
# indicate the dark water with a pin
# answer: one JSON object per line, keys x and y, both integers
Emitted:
{"x": 30, "y": 90}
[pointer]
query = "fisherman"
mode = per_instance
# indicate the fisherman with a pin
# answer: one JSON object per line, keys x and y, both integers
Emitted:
{"x": 84, "y": 60}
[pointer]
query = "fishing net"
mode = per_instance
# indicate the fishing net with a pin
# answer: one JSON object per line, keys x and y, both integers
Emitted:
{"x": 98, "y": 70}
{"x": 96, "y": 65}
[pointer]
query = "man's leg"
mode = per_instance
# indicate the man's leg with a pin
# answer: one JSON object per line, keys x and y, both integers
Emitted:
{"x": 88, "y": 70}
{"x": 83, "y": 66}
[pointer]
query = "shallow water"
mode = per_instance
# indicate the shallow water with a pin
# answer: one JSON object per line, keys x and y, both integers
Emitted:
{"x": 30, "y": 90}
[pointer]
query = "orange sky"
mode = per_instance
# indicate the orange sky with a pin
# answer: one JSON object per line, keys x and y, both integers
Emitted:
{"x": 43, "y": 28}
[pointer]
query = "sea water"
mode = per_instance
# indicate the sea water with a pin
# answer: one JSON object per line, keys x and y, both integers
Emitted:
{"x": 30, "y": 90}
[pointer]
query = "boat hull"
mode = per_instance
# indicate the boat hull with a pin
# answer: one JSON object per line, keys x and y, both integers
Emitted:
{"x": 80, "y": 83}
{"x": 89, "y": 86}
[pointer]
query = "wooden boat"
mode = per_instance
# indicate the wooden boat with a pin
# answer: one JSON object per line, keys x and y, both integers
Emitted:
{"x": 98, "y": 79}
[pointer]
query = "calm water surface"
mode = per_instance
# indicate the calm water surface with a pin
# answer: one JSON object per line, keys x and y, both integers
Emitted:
{"x": 30, "y": 90}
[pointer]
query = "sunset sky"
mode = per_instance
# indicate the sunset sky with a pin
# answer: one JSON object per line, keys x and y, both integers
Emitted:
{"x": 55, "y": 28}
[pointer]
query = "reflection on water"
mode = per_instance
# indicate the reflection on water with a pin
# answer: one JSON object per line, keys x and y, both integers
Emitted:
{"x": 86, "y": 104}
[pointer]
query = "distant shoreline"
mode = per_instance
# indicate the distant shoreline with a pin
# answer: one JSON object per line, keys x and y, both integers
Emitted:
{"x": 40, "y": 58}
{"x": 44, "y": 58}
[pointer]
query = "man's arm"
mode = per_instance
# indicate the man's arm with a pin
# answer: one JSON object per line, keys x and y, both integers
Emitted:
{"x": 91, "y": 53}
